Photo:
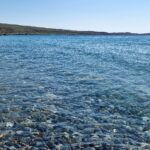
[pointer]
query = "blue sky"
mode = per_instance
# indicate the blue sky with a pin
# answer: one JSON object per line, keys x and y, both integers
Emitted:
{"x": 98, "y": 15}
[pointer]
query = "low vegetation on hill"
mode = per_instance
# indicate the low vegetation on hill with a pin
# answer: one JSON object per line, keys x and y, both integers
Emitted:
{"x": 8, "y": 29}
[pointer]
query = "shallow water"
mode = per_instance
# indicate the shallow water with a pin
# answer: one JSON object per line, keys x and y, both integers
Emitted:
{"x": 75, "y": 92}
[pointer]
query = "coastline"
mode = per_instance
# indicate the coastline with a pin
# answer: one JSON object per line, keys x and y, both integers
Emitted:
{"x": 10, "y": 29}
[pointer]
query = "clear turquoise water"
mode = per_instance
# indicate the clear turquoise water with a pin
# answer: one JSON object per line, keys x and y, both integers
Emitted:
{"x": 93, "y": 89}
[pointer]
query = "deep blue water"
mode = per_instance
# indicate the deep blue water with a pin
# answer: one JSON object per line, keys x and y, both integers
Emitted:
{"x": 90, "y": 91}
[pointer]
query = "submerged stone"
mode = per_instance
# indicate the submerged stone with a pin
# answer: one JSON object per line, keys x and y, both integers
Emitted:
{"x": 9, "y": 124}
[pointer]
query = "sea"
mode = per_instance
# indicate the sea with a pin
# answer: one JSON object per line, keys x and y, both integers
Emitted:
{"x": 69, "y": 92}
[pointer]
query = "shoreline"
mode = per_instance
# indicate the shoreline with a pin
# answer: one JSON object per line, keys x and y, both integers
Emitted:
{"x": 59, "y": 34}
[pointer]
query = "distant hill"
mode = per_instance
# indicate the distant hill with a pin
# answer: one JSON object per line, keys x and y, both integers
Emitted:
{"x": 9, "y": 29}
